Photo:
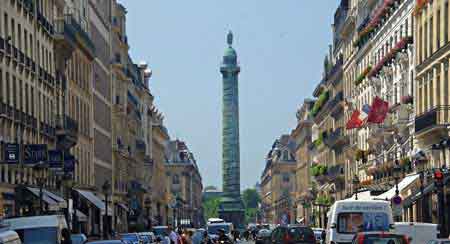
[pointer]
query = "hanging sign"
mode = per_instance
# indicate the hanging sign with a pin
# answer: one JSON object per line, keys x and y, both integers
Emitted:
{"x": 12, "y": 153}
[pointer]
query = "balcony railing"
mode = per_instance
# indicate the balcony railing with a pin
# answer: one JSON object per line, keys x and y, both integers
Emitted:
{"x": 336, "y": 138}
{"x": 67, "y": 125}
{"x": 69, "y": 28}
{"x": 438, "y": 116}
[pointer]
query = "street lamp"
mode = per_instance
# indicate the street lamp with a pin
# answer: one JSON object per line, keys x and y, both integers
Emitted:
{"x": 356, "y": 182}
{"x": 397, "y": 171}
{"x": 105, "y": 187}
{"x": 438, "y": 179}
{"x": 68, "y": 183}
{"x": 39, "y": 170}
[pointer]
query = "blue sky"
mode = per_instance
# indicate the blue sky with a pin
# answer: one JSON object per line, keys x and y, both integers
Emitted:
{"x": 281, "y": 46}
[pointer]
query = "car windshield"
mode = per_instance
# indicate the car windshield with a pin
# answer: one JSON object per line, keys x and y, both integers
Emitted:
{"x": 301, "y": 234}
{"x": 214, "y": 229}
{"x": 358, "y": 222}
{"x": 381, "y": 239}
{"x": 38, "y": 235}
{"x": 160, "y": 231}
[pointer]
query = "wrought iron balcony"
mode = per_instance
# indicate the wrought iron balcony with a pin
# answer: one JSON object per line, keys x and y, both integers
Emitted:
{"x": 336, "y": 139}
{"x": 434, "y": 118}
{"x": 66, "y": 131}
{"x": 70, "y": 34}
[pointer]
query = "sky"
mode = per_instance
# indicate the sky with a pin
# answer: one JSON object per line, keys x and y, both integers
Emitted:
{"x": 281, "y": 46}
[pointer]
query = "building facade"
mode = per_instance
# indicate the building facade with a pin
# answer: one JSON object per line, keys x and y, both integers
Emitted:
{"x": 184, "y": 184}
{"x": 278, "y": 183}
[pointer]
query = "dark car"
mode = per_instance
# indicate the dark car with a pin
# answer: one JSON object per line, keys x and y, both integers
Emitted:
{"x": 293, "y": 234}
{"x": 379, "y": 237}
{"x": 263, "y": 236}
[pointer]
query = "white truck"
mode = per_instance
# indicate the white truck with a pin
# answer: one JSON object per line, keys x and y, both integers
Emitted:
{"x": 419, "y": 233}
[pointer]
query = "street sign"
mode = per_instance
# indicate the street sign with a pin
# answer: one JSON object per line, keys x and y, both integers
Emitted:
{"x": 34, "y": 153}
{"x": 12, "y": 153}
{"x": 55, "y": 159}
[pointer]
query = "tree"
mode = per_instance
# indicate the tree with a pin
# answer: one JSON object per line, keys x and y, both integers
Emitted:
{"x": 251, "y": 198}
{"x": 211, "y": 207}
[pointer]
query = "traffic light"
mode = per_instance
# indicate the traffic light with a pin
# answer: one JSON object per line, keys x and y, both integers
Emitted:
{"x": 438, "y": 177}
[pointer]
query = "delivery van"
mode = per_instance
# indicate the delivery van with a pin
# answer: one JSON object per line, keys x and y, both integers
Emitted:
{"x": 418, "y": 232}
{"x": 348, "y": 217}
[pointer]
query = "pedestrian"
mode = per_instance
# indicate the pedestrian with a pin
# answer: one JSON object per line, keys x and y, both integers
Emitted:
{"x": 180, "y": 236}
{"x": 172, "y": 235}
{"x": 65, "y": 237}
{"x": 206, "y": 239}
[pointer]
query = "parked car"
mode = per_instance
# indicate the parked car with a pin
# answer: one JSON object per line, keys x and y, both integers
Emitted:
{"x": 132, "y": 238}
{"x": 147, "y": 237}
{"x": 318, "y": 233}
{"x": 439, "y": 241}
{"x": 293, "y": 234}
{"x": 9, "y": 237}
{"x": 263, "y": 236}
{"x": 78, "y": 238}
{"x": 379, "y": 237}
{"x": 198, "y": 236}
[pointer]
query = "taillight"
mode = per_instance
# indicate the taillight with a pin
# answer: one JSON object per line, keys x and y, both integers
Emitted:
{"x": 287, "y": 238}
{"x": 406, "y": 239}
{"x": 361, "y": 239}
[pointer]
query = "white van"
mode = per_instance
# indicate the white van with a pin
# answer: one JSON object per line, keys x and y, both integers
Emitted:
{"x": 38, "y": 229}
{"x": 418, "y": 232}
{"x": 347, "y": 217}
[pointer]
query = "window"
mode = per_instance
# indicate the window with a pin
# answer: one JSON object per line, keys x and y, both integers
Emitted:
{"x": 438, "y": 29}
{"x": 286, "y": 177}
{"x": 430, "y": 38}
{"x": 176, "y": 179}
{"x": 446, "y": 22}
{"x": 367, "y": 221}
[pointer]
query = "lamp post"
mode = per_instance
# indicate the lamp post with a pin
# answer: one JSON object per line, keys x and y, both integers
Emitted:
{"x": 39, "y": 170}
{"x": 105, "y": 187}
{"x": 356, "y": 182}
{"x": 438, "y": 180}
{"x": 68, "y": 183}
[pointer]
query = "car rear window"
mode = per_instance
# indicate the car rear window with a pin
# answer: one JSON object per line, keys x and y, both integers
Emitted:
{"x": 382, "y": 239}
{"x": 301, "y": 234}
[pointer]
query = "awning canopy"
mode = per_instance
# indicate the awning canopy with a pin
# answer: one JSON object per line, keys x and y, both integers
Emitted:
{"x": 364, "y": 195}
{"x": 96, "y": 201}
{"x": 406, "y": 182}
{"x": 52, "y": 204}
{"x": 123, "y": 206}
{"x": 410, "y": 200}
{"x": 61, "y": 201}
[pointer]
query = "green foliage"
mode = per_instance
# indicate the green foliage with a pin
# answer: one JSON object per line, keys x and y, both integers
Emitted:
{"x": 325, "y": 200}
{"x": 250, "y": 215}
{"x": 323, "y": 98}
{"x": 317, "y": 170}
{"x": 251, "y": 198}
{"x": 211, "y": 207}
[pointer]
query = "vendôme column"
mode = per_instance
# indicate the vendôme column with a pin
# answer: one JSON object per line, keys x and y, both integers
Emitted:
{"x": 231, "y": 207}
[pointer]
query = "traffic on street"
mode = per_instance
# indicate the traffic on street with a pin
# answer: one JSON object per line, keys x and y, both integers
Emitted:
{"x": 224, "y": 122}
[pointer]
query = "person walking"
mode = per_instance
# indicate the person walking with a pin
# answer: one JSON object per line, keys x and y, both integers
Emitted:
{"x": 173, "y": 235}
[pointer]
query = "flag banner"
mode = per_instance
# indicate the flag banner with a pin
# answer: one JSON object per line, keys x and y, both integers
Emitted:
{"x": 378, "y": 111}
{"x": 355, "y": 121}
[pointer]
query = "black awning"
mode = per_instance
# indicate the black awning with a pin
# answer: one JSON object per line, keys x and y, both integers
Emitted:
{"x": 411, "y": 199}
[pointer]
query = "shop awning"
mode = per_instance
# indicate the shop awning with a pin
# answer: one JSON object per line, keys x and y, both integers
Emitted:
{"x": 410, "y": 200}
{"x": 406, "y": 182}
{"x": 123, "y": 206}
{"x": 52, "y": 204}
{"x": 95, "y": 200}
{"x": 61, "y": 201}
{"x": 364, "y": 195}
